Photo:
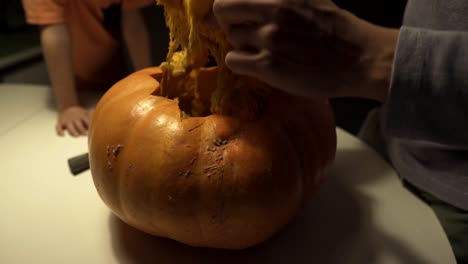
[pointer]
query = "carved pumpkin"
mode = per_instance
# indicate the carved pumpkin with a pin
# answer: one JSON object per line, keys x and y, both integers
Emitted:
{"x": 203, "y": 157}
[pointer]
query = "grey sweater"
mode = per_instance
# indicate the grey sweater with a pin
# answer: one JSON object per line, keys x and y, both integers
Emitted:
{"x": 425, "y": 120}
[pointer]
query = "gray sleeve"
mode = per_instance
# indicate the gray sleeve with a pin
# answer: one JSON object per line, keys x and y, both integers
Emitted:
{"x": 428, "y": 97}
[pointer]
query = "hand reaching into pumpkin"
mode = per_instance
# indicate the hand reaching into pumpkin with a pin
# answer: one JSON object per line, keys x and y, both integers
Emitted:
{"x": 309, "y": 47}
{"x": 75, "y": 120}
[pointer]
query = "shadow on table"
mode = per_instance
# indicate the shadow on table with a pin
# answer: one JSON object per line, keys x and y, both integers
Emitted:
{"x": 367, "y": 165}
{"x": 297, "y": 243}
{"x": 334, "y": 227}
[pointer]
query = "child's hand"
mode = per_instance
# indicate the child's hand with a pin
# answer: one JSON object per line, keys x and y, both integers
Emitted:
{"x": 75, "y": 120}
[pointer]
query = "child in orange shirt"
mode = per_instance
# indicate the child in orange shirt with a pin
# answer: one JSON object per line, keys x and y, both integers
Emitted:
{"x": 82, "y": 42}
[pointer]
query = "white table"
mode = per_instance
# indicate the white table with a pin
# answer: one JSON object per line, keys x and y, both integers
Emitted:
{"x": 361, "y": 215}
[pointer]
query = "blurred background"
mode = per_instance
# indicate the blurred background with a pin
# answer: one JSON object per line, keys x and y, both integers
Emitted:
{"x": 21, "y": 58}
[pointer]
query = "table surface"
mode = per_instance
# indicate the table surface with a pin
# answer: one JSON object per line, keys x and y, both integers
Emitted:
{"x": 362, "y": 214}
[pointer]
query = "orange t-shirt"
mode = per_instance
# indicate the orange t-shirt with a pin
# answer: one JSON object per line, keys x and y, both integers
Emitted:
{"x": 98, "y": 58}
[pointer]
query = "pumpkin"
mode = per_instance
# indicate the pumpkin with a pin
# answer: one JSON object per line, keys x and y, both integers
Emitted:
{"x": 203, "y": 156}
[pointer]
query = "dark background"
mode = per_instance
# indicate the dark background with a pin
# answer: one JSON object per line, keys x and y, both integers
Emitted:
{"x": 21, "y": 59}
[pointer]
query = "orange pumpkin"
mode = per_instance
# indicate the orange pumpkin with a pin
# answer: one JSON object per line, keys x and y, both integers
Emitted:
{"x": 212, "y": 181}
{"x": 221, "y": 178}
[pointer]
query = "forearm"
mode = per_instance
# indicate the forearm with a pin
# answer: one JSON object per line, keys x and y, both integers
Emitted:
{"x": 429, "y": 90}
{"x": 136, "y": 37}
{"x": 56, "y": 46}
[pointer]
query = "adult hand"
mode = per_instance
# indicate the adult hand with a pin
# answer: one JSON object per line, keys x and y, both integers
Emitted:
{"x": 307, "y": 47}
{"x": 75, "y": 120}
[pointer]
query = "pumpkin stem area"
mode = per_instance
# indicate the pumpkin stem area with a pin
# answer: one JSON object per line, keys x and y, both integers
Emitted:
{"x": 200, "y": 90}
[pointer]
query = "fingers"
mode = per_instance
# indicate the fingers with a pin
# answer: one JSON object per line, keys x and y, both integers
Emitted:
{"x": 258, "y": 47}
{"x": 246, "y": 63}
{"x": 87, "y": 118}
{"x": 59, "y": 128}
{"x": 81, "y": 127}
{"x": 238, "y": 12}
{"x": 295, "y": 20}
{"x": 310, "y": 5}
{"x": 75, "y": 121}
{"x": 288, "y": 33}
{"x": 277, "y": 71}
{"x": 72, "y": 130}
{"x": 255, "y": 38}
{"x": 246, "y": 37}
{"x": 263, "y": 65}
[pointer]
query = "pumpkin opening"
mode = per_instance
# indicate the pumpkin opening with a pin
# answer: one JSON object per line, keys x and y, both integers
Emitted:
{"x": 182, "y": 90}
{"x": 193, "y": 46}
